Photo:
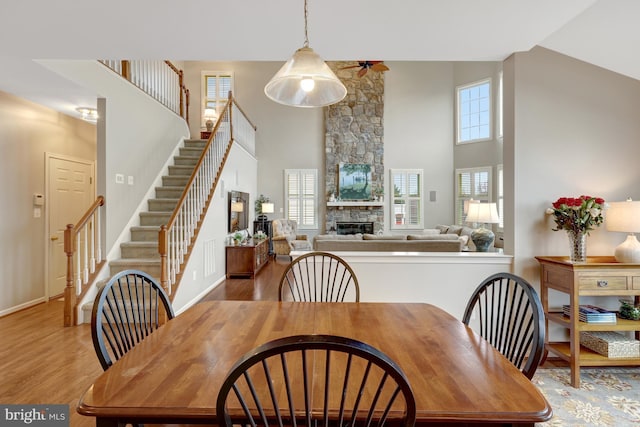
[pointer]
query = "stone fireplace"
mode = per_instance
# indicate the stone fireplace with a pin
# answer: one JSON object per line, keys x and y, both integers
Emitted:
{"x": 355, "y": 134}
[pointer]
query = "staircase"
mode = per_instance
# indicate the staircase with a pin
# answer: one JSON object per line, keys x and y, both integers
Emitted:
{"x": 141, "y": 252}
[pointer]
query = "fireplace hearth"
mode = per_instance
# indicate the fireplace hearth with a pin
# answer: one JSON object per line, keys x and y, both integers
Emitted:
{"x": 345, "y": 227}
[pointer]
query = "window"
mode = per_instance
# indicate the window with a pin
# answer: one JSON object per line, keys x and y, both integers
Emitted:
{"x": 301, "y": 194}
{"x": 215, "y": 91}
{"x": 473, "y": 183}
{"x": 406, "y": 209}
{"x": 474, "y": 112}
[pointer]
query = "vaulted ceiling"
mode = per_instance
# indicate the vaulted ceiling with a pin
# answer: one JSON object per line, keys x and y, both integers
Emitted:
{"x": 602, "y": 32}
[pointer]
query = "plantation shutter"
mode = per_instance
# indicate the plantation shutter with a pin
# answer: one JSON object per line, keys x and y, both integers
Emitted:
{"x": 301, "y": 191}
{"x": 474, "y": 183}
{"x": 407, "y": 199}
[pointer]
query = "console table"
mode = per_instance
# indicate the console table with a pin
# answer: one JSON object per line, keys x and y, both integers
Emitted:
{"x": 599, "y": 276}
{"x": 247, "y": 259}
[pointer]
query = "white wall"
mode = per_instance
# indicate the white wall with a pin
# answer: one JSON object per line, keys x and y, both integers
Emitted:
{"x": 573, "y": 130}
{"x": 139, "y": 136}
{"x": 27, "y": 132}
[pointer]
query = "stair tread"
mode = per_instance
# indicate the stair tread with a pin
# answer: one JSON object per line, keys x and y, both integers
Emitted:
{"x": 139, "y": 243}
{"x": 122, "y": 261}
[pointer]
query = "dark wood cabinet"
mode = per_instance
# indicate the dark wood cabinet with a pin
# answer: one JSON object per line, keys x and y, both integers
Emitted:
{"x": 248, "y": 259}
{"x": 265, "y": 227}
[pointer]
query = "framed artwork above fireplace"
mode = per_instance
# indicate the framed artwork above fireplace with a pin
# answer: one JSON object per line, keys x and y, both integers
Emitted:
{"x": 354, "y": 181}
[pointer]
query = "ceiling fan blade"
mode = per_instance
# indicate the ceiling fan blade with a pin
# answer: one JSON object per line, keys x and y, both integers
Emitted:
{"x": 351, "y": 66}
{"x": 379, "y": 67}
{"x": 362, "y": 72}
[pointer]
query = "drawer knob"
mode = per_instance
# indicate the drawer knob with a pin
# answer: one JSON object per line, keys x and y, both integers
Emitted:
{"x": 602, "y": 283}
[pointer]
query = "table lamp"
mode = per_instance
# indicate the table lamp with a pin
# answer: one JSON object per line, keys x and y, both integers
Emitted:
{"x": 625, "y": 217}
{"x": 482, "y": 213}
{"x": 211, "y": 116}
{"x": 265, "y": 208}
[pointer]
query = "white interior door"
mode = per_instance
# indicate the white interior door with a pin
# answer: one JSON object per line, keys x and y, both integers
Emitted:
{"x": 71, "y": 192}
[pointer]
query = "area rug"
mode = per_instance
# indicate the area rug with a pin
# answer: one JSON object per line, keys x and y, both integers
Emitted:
{"x": 606, "y": 397}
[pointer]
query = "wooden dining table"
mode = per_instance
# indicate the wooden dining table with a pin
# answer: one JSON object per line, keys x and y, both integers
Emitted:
{"x": 174, "y": 375}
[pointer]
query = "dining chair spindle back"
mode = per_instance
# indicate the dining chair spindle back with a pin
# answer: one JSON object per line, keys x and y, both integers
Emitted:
{"x": 319, "y": 277}
{"x": 508, "y": 314}
{"x": 126, "y": 310}
{"x": 308, "y": 379}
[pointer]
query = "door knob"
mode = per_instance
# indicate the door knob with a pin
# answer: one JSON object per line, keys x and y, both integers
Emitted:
{"x": 54, "y": 238}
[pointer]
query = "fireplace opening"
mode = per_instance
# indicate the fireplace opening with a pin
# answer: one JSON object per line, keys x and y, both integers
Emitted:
{"x": 344, "y": 227}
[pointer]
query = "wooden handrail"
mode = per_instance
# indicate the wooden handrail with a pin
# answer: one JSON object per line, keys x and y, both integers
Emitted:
{"x": 178, "y": 105}
{"x": 177, "y": 237}
{"x": 71, "y": 233}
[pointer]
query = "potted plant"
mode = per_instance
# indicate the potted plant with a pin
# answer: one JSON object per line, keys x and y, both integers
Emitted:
{"x": 258, "y": 204}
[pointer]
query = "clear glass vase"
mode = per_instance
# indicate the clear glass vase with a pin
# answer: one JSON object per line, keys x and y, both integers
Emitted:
{"x": 577, "y": 246}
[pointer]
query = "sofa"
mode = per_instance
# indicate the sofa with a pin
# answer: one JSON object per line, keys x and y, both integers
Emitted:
{"x": 442, "y": 238}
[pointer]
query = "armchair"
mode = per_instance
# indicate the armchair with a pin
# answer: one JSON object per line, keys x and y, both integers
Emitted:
{"x": 286, "y": 237}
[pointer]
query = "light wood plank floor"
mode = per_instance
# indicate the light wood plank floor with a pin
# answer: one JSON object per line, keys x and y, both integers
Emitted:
{"x": 43, "y": 362}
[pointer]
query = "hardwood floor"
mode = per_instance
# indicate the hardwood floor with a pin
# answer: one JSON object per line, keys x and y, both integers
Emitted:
{"x": 43, "y": 362}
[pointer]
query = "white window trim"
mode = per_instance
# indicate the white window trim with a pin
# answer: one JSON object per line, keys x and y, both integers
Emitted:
{"x": 203, "y": 91}
{"x": 491, "y": 112}
{"x": 392, "y": 220}
{"x": 314, "y": 172}
{"x": 459, "y": 202}
{"x": 500, "y": 102}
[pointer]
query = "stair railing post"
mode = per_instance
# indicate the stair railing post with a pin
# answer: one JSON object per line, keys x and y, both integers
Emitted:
{"x": 126, "y": 69}
{"x": 180, "y": 84}
{"x": 70, "y": 316}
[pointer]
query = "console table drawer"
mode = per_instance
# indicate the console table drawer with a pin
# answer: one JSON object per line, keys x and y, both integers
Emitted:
{"x": 602, "y": 282}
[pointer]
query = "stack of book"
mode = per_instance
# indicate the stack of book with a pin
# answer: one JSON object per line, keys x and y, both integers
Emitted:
{"x": 592, "y": 314}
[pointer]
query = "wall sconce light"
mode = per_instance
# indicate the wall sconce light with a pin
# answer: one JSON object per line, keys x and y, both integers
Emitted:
{"x": 88, "y": 114}
{"x": 625, "y": 217}
{"x": 305, "y": 80}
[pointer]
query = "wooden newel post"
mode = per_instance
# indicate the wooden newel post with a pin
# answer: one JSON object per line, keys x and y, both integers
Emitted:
{"x": 70, "y": 315}
{"x": 126, "y": 69}
{"x": 180, "y": 86}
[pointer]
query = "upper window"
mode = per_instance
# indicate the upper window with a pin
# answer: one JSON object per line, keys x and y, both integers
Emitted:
{"x": 406, "y": 208}
{"x": 215, "y": 91}
{"x": 472, "y": 183}
{"x": 474, "y": 112}
{"x": 301, "y": 197}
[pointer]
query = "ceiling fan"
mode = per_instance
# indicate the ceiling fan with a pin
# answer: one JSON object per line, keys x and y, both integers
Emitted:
{"x": 366, "y": 65}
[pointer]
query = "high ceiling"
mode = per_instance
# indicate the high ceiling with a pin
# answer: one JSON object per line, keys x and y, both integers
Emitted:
{"x": 602, "y": 32}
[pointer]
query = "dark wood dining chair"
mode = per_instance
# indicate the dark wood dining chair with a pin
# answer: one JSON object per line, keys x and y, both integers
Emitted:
{"x": 126, "y": 310}
{"x": 506, "y": 310}
{"x": 319, "y": 277}
{"x": 316, "y": 380}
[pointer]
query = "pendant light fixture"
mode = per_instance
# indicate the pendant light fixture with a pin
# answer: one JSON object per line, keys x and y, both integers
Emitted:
{"x": 305, "y": 80}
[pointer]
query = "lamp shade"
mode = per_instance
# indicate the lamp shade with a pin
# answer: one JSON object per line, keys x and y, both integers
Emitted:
{"x": 305, "y": 80}
{"x": 210, "y": 113}
{"x": 267, "y": 208}
{"x": 625, "y": 217}
{"x": 485, "y": 213}
{"x": 237, "y": 207}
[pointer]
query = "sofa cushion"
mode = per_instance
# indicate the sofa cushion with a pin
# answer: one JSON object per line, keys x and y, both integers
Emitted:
{"x": 443, "y": 228}
{"x": 433, "y": 237}
{"x": 384, "y": 237}
{"x": 430, "y": 231}
{"x": 454, "y": 229}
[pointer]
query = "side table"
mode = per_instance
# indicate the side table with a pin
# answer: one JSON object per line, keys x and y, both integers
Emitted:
{"x": 599, "y": 276}
{"x": 265, "y": 227}
{"x": 247, "y": 259}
